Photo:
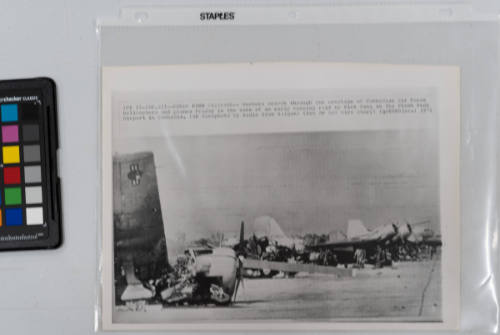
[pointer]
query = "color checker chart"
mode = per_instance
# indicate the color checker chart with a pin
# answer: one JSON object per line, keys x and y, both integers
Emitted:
{"x": 29, "y": 197}
{"x": 22, "y": 191}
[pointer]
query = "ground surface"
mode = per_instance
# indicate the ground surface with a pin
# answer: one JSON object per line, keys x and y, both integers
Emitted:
{"x": 408, "y": 291}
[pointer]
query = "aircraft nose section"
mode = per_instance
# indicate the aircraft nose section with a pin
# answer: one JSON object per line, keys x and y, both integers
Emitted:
{"x": 405, "y": 231}
{"x": 388, "y": 231}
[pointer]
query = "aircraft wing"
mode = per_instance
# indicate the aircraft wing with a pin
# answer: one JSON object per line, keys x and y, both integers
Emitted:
{"x": 296, "y": 267}
{"x": 364, "y": 243}
{"x": 433, "y": 242}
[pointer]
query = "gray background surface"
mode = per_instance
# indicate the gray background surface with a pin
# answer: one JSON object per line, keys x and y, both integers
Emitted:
{"x": 54, "y": 292}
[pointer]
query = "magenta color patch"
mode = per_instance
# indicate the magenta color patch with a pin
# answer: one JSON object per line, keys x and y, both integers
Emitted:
{"x": 10, "y": 134}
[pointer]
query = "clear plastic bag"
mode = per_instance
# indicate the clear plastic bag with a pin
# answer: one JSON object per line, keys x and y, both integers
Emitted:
{"x": 439, "y": 34}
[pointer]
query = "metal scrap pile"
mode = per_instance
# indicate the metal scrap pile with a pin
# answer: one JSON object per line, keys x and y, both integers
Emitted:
{"x": 188, "y": 283}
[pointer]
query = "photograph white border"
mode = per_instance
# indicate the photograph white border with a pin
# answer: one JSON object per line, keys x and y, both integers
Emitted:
{"x": 445, "y": 80}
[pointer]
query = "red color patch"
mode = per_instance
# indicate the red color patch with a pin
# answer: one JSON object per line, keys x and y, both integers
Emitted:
{"x": 12, "y": 175}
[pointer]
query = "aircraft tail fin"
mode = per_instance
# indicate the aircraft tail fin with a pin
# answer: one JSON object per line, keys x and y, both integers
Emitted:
{"x": 355, "y": 228}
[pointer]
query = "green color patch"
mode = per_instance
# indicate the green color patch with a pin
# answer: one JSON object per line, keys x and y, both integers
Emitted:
{"x": 13, "y": 196}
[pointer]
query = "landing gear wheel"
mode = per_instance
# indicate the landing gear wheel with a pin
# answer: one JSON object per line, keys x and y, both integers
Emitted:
{"x": 218, "y": 295}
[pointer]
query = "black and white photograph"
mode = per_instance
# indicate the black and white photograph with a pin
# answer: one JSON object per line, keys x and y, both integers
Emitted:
{"x": 294, "y": 226}
{"x": 276, "y": 209}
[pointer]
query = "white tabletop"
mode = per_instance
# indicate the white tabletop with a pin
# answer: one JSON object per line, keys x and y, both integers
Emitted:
{"x": 54, "y": 291}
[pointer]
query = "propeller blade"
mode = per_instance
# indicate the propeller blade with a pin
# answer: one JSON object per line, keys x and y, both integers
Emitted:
{"x": 242, "y": 232}
{"x": 236, "y": 289}
{"x": 396, "y": 228}
{"x": 240, "y": 247}
{"x": 239, "y": 278}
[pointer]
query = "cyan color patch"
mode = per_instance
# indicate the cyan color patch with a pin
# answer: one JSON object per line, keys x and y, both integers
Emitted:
{"x": 13, "y": 217}
{"x": 9, "y": 112}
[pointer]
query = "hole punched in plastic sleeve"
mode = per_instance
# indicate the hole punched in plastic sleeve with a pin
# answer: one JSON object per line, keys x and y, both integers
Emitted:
{"x": 293, "y": 14}
{"x": 446, "y": 12}
{"x": 141, "y": 16}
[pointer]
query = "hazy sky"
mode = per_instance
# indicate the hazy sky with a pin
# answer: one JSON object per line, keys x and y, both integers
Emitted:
{"x": 309, "y": 182}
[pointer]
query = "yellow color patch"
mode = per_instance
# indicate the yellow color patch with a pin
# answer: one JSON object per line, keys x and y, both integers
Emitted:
{"x": 10, "y": 154}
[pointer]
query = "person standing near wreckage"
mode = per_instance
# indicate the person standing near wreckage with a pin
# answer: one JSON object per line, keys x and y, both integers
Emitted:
{"x": 360, "y": 257}
{"x": 379, "y": 257}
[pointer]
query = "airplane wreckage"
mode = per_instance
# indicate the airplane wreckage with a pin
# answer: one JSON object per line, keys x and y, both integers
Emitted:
{"x": 211, "y": 273}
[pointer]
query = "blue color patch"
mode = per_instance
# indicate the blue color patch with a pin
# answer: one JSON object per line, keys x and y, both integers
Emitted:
{"x": 9, "y": 112}
{"x": 13, "y": 217}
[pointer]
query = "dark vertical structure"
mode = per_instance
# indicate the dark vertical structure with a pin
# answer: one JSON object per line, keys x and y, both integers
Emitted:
{"x": 140, "y": 251}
